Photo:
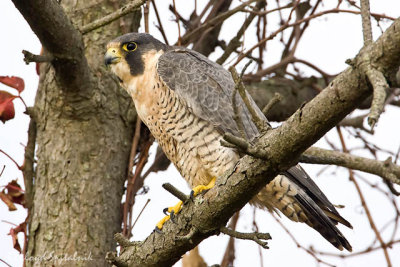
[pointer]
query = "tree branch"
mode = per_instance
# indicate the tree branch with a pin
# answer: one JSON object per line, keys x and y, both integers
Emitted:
{"x": 207, "y": 214}
{"x": 29, "y": 57}
{"x": 256, "y": 237}
{"x": 128, "y": 8}
{"x": 385, "y": 169}
{"x": 61, "y": 39}
{"x": 213, "y": 22}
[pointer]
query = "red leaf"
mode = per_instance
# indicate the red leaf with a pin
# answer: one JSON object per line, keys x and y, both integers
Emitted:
{"x": 7, "y": 111}
{"x": 37, "y": 68}
{"x": 14, "y": 82}
{"x": 13, "y": 233}
{"x": 8, "y": 201}
{"x": 15, "y": 193}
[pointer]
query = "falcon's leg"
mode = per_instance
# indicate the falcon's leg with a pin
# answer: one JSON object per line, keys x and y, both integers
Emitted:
{"x": 200, "y": 188}
{"x": 175, "y": 209}
{"x": 171, "y": 210}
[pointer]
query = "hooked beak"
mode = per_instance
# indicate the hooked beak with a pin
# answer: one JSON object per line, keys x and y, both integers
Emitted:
{"x": 112, "y": 56}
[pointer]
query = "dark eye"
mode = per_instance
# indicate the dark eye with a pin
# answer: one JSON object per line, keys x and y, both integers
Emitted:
{"x": 131, "y": 46}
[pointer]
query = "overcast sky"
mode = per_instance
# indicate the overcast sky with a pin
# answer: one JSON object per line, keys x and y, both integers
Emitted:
{"x": 328, "y": 42}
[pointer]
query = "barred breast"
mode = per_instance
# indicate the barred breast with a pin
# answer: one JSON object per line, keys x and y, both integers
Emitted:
{"x": 192, "y": 144}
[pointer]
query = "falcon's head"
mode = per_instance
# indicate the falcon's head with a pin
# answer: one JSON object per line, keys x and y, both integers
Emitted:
{"x": 125, "y": 54}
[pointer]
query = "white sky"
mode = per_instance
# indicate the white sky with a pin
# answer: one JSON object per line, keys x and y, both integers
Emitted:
{"x": 328, "y": 42}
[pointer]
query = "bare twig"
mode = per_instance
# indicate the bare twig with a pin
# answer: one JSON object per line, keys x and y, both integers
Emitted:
{"x": 364, "y": 204}
{"x": 244, "y": 146}
{"x": 385, "y": 169}
{"x": 376, "y": 77}
{"x": 380, "y": 85}
{"x": 178, "y": 24}
{"x": 356, "y": 122}
{"x": 5, "y": 263}
{"x": 128, "y": 8}
{"x": 261, "y": 124}
{"x": 27, "y": 167}
{"x": 160, "y": 27}
{"x": 277, "y": 98}
{"x": 146, "y": 8}
{"x": 309, "y": 251}
{"x": 256, "y": 237}
{"x": 140, "y": 213}
{"x": 29, "y": 57}
{"x": 122, "y": 240}
{"x": 235, "y": 42}
{"x": 135, "y": 142}
{"x": 287, "y": 25}
{"x": 229, "y": 255}
{"x": 2, "y": 170}
{"x": 214, "y": 22}
{"x": 175, "y": 191}
{"x": 366, "y": 22}
{"x": 13, "y": 160}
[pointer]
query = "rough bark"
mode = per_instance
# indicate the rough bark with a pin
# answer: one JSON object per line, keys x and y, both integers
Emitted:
{"x": 204, "y": 216}
{"x": 84, "y": 129}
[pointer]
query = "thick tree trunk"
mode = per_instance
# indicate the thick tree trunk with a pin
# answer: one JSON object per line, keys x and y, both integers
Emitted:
{"x": 83, "y": 145}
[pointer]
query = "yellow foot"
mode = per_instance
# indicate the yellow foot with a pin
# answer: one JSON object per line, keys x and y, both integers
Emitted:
{"x": 200, "y": 188}
{"x": 172, "y": 211}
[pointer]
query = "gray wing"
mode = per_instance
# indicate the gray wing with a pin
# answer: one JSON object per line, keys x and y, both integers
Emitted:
{"x": 207, "y": 90}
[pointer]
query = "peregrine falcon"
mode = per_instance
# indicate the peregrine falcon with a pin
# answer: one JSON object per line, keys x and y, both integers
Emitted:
{"x": 186, "y": 101}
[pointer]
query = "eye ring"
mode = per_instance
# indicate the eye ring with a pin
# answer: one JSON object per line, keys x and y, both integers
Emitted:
{"x": 129, "y": 47}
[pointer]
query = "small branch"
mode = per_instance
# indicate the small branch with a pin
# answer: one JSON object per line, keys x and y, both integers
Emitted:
{"x": 245, "y": 146}
{"x": 29, "y": 57}
{"x": 128, "y": 8}
{"x": 27, "y": 168}
{"x": 260, "y": 123}
{"x": 146, "y": 16}
{"x": 214, "y": 22}
{"x": 235, "y": 42}
{"x": 5, "y": 263}
{"x": 122, "y": 240}
{"x": 364, "y": 203}
{"x": 111, "y": 258}
{"x": 276, "y": 99}
{"x": 287, "y": 25}
{"x": 8, "y": 156}
{"x": 309, "y": 251}
{"x": 175, "y": 191}
{"x": 140, "y": 213}
{"x": 256, "y": 237}
{"x": 2, "y": 170}
{"x": 385, "y": 169}
{"x": 178, "y": 24}
{"x": 366, "y": 22}
{"x": 160, "y": 26}
{"x": 135, "y": 142}
{"x": 356, "y": 122}
{"x": 229, "y": 255}
{"x": 375, "y": 77}
{"x": 380, "y": 85}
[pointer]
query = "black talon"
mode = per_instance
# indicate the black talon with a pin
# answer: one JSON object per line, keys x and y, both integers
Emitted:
{"x": 191, "y": 195}
{"x": 158, "y": 230}
{"x": 165, "y": 211}
{"x": 172, "y": 216}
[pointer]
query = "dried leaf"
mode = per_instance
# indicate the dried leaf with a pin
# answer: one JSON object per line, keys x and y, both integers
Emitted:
{"x": 14, "y": 82}
{"x": 16, "y": 193}
{"x": 14, "y": 232}
{"x": 7, "y": 111}
{"x": 8, "y": 201}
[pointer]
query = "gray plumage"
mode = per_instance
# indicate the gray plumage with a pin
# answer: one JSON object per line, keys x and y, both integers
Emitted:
{"x": 186, "y": 101}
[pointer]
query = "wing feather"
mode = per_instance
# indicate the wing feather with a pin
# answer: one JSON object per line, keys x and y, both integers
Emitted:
{"x": 206, "y": 88}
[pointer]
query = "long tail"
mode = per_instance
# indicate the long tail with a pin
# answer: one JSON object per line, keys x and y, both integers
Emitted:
{"x": 296, "y": 195}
